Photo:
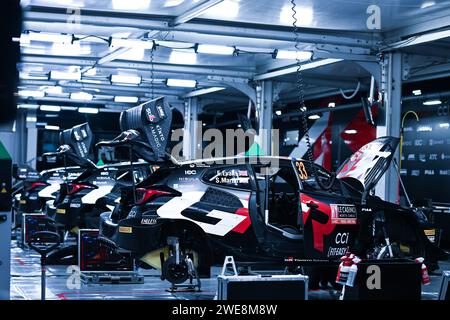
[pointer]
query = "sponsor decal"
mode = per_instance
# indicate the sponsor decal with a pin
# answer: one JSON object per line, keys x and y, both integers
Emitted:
{"x": 418, "y": 143}
{"x": 445, "y": 156}
{"x": 408, "y": 129}
{"x": 411, "y": 157}
{"x": 343, "y": 214}
{"x": 23, "y": 202}
{"x": 33, "y": 197}
{"x": 61, "y": 211}
{"x": 407, "y": 143}
{"x": 75, "y": 205}
{"x": 434, "y": 142}
{"x": 415, "y": 173}
{"x": 433, "y": 156}
{"x": 150, "y": 116}
{"x": 123, "y": 229}
{"x": 444, "y": 172}
{"x": 332, "y": 252}
{"x": 190, "y": 172}
{"x": 149, "y": 221}
{"x": 422, "y": 157}
{"x": 429, "y": 172}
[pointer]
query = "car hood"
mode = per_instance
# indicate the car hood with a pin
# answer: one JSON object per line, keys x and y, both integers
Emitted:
{"x": 370, "y": 162}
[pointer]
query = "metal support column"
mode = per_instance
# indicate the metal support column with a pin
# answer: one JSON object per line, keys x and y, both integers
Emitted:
{"x": 192, "y": 143}
{"x": 389, "y": 120}
{"x": 32, "y": 138}
{"x": 265, "y": 113}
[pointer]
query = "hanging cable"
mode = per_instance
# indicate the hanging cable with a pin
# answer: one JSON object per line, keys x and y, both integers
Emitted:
{"x": 152, "y": 90}
{"x": 303, "y": 108}
{"x": 353, "y": 94}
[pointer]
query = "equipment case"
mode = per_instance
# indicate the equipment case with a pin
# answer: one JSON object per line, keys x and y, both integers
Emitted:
{"x": 277, "y": 287}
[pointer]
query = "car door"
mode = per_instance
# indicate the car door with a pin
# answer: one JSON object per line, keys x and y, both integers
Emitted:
{"x": 329, "y": 220}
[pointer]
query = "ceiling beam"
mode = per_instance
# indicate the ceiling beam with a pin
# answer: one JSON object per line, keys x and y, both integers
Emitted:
{"x": 207, "y": 27}
{"x": 420, "y": 26}
{"x": 136, "y": 65}
{"x": 202, "y": 92}
{"x": 416, "y": 40}
{"x": 293, "y": 69}
{"x": 194, "y": 12}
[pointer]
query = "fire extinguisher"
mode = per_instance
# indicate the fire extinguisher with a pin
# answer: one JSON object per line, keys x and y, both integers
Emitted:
{"x": 352, "y": 272}
{"x": 340, "y": 266}
{"x": 344, "y": 269}
{"x": 423, "y": 271}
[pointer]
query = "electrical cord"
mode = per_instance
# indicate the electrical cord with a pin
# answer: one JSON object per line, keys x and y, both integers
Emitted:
{"x": 353, "y": 94}
{"x": 152, "y": 70}
{"x": 303, "y": 108}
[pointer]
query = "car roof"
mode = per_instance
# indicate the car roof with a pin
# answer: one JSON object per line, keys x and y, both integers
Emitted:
{"x": 225, "y": 159}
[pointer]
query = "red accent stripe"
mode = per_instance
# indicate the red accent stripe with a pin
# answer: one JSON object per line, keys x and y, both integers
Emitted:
{"x": 245, "y": 224}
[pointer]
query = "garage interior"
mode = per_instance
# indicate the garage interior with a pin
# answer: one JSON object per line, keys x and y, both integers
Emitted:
{"x": 316, "y": 80}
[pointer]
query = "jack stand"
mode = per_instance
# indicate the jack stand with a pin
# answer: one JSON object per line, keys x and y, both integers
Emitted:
{"x": 229, "y": 260}
{"x": 43, "y": 242}
{"x": 179, "y": 268}
{"x": 191, "y": 286}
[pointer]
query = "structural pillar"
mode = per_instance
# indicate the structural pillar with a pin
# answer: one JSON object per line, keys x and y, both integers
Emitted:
{"x": 192, "y": 143}
{"x": 265, "y": 117}
{"x": 389, "y": 120}
{"x": 32, "y": 138}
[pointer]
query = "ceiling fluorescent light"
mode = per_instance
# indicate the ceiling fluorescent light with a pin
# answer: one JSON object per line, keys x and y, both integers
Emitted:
{"x": 27, "y": 76}
{"x": 49, "y": 127}
{"x": 50, "y": 108}
{"x": 432, "y": 102}
{"x": 62, "y": 75}
{"x": 117, "y": 78}
{"x": 131, "y": 43}
{"x": 304, "y": 15}
{"x": 427, "y": 4}
{"x": 314, "y": 117}
{"x": 278, "y": 112}
{"x": 130, "y": 5}
{"x": 81, "y": 96}
{"x": 31, "y": 93}
{"x": 332, "y": 105}
{"x": 215, "y": 49}
{"x": 126, "y": 99}
{"x": 53, "y": 89}
{"x": 88, "y": 110}
{"x": 28, "y": 106}
{"x": 417, "y": 92}
{"x": 293, "y": 55}
{"x": 50, "y": 37}
{"x": 351, "y": 131}
{"x": 224, "y": 9}
{"x": 181, "y": 83}
{"x": 183, "y": 57}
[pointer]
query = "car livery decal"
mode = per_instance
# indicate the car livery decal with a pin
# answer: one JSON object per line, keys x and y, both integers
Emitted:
{"x": 224, "y": 222}
{"x": 96, "y": 194}
{"x": 319, "y": 219}
{"x": 48, "y": 191}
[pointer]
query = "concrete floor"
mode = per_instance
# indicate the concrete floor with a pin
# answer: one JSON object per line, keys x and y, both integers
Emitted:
{"x": 26, "y": 284}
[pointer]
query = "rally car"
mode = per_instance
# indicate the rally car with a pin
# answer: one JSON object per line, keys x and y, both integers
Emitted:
{"x": 39, "y": 188}
{"x": 96, "y": 190}
{"x": 258, "y": 209}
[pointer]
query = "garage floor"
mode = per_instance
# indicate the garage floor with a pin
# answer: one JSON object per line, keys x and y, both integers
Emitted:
{"x": 25, "y": 284}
